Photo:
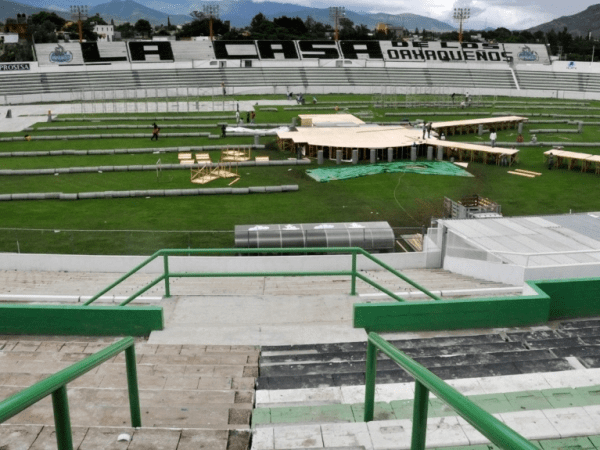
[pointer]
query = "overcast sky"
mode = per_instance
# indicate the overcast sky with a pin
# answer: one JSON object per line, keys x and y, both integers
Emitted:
{"x": 512, "y": 14}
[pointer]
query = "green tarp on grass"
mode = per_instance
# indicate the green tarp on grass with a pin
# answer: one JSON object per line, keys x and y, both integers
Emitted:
{"x": 422, "y": 167}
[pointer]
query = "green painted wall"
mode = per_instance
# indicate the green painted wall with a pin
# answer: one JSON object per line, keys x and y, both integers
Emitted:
{"x": 452, "y": 314}
{"x": 80, "y": 320}
{"x": 555, "y": 299}
{"x": 572, "y": 298}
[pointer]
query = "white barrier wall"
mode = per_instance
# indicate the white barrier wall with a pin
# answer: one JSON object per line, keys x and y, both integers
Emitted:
{"x": 123, "y": 264}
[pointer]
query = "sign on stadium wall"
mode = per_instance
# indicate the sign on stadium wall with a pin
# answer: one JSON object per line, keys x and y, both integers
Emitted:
{"x": 14, "y": 67}
{"x": 389, "y": 51}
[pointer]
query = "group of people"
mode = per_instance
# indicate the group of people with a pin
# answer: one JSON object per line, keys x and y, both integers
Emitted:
{"x": 300, "y": 100}
{"x": 250, "y": 116}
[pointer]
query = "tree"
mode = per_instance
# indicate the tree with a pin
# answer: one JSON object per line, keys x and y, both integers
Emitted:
{"x": 201, "y": 27}
{"x": 17, "y": 52}
{"x": 97, "y": 20}
{"x": 44, "y": 33}
{"x": 257, "y": 22}
{"x": 87, "y": 30}
{"x": 294, "y": 26}
{"x": 316, "y": 30}
{"x": 143, "y": 27}
{"x": 538, "y": 35}
{"x": 42, "y": 17}
{"x": 126, "y": 29}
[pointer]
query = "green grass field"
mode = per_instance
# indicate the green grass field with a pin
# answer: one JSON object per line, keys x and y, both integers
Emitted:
{"x": 143, "y": 225}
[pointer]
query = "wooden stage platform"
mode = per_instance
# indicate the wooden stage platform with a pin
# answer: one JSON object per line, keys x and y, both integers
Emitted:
{"x": 329, "y": 135}
{"x": 472, "y": 125}
{"x": 584, "y": 161}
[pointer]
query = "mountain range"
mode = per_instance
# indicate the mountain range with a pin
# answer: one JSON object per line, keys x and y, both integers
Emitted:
{"x": 238, "y": 12}
{"x": 579, "y": 24}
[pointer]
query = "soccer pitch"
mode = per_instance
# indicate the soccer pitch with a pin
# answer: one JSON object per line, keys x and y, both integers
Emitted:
{"x": 140, "y": 225}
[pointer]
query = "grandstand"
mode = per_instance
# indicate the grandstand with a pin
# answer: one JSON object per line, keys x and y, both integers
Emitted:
{"x": 271, "y": 351}
{"x": 472, "y": 67}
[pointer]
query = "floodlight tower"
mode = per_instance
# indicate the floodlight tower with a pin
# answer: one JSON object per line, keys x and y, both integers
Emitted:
{"x": 212, "y": 12}
{"x": 79, "y": 13}
{"x": 335, "y": 14}
{"x": 461, "y": 15}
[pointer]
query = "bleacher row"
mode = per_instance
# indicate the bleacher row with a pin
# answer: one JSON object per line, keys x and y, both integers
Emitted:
{"x": 18, "y": 84}
{"x": 542, "y": 383}
{"x": 577, "y": 81}
{"x": 37, "y": 83}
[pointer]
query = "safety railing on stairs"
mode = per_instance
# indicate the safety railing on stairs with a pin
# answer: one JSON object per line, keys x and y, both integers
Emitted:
{"x": 352, "y": 272}
{"x": 425, "y": 381}
{"x": 56, "y": 385}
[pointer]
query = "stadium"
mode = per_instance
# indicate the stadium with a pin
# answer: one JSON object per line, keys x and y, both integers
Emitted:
{"x": 370, "y": 269}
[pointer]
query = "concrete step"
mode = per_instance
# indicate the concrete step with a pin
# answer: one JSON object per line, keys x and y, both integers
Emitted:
{"x": 500, "y": 352}
{"x": 186, "y": 416}
{"x": 40, "y": 437}
{"x": 78, "y": 286}
{"x": 181, "y": 386}
{"x": 442, "y": 432}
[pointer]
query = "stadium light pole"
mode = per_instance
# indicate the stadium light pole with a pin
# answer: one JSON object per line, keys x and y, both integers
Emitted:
{"x": 212, "y": 12}
{"x": 461, "y": 15}
{"x": 335, "y": 14}
{"x": 79, "y": 13}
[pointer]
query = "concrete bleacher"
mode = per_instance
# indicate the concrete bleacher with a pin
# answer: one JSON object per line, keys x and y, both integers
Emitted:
{"x": 159, "y": 79}
{"x": 562, "y": 81}
{"x": 541, "y": 382}
{"x": 198, "y": 376}
{"x": 189, "y": 394}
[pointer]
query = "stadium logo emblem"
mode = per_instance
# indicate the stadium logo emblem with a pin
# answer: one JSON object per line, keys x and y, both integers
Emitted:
{"x": 528, "y": 55}
{"x": 60, "y": 55}
{"x": 572, "y": 65}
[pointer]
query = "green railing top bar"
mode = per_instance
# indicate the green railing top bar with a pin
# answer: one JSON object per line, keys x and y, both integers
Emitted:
{"x": 353, "y": 251}
{"x": 16, "y": 403}
{"x": 496, "y": 431}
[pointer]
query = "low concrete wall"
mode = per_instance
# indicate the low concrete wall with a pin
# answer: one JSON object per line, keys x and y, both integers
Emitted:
{"x": 500, "y": 273}
{"x": 123, "y": 264}
{"x": 517, "y": 275}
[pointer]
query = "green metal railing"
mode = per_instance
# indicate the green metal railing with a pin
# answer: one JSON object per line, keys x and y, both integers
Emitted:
{"x": 167, "y": 275}
{"x": 57, "y": 386}
{"x": 425, "y": 381}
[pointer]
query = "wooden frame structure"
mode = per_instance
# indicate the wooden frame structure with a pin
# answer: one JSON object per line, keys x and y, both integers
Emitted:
{"x": 236, "y": 154}
{"x": 207, "y": 173}
{"x": 480, "y": 153}
{"x": 348, "y": 136}
{"x": 573, "y": 159}
{"x": 472, "y": 126}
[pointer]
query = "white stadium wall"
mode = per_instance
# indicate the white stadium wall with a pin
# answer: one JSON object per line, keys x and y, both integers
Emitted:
{"x": 283, "y": 52}
{"x": 89, "y": 60}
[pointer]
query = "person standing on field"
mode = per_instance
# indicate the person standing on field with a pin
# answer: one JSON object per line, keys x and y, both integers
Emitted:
{"x": 155, "y": 131}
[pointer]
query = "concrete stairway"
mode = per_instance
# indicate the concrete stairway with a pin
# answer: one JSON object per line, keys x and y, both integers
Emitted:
{"x": 309, "y": 366}
{"x": 542, "y": 382}
{"x": 189, "y": 394}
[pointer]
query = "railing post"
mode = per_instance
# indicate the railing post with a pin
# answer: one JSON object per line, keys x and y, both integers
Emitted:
{"x": 62, "y": 420}
{"x": 167, "y": 286}
{"x": 371, "y": 372}
{"x": 353, "y": 282}
{"x": 419, "y": 431}
{"x": 132, "y": 386}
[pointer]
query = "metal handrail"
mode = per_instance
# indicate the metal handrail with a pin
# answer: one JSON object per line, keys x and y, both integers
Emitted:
{"x": 56, "y": 385}
{"x": 353, "y": 273}
{"x": 425, "y": 381}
